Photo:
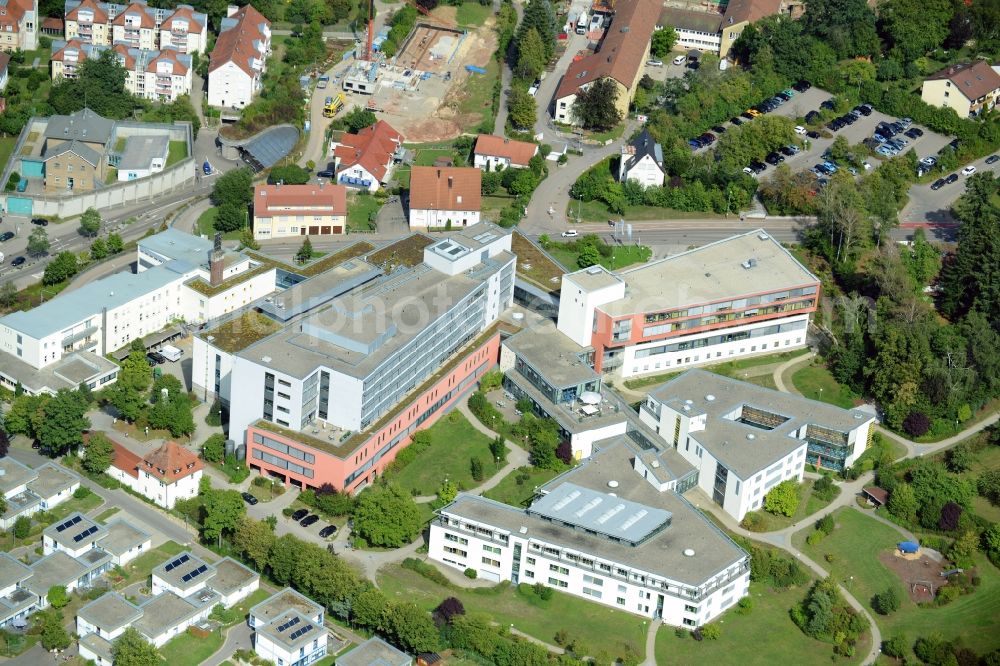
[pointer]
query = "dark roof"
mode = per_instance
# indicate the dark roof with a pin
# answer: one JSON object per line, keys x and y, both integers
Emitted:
{"x": 973, "y": 80}
{"x": 4, "y": 59}
{"x": 644, "y": 145}
{"x": 739, "y": 11}
{"x": 879, "y": 495}
{"x": 264, "y": 150}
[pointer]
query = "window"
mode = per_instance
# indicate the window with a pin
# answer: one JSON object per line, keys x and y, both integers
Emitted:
{"x": 590, "y": 592}
{"x": 558, "y": 569}
{"x": 591, "y": 580}
{"x": 491, "y": 549}
{"x": 529, "y": 574}
{"x": 620, "y": 601}
{"x": 456, "y": 539}
{"x": 531, "y": 560}
{"x": 690, "y": 609}
{"x": 493, "y": 563}
{"x": 558, "y": 583}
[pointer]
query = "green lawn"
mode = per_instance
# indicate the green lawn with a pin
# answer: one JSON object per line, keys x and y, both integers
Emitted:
{"x": 596, "y": 211}
{"x": 479, "y": 91}
{"x": 755, "y": 369}
{"x": 72, "y": 505}
{"x": 176, "y": 152}
{"x": 808, "y": 505}
{"x": 473, "y": 14}
{"x": 427, "y": 156}
{"x": 855, "y": 544}
{"x": 598, "y": 627}
{"x": 205, "y": 226}
{"x": 359, "y": 209}
{"x": 766, "y": 635}
{"x": 816, "y": 382}
{"x": 7, "y": 144}
{"x": 190, "y": 649}
{"x": 620, "y": 257}
{"x": 509, "y": 491}
{"x": 454, "y": 442}
{"x": 106, "y": 515}
{"x": 140, "y": 568}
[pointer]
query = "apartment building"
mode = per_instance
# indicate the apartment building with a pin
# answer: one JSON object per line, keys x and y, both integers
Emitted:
{"x": 280, "y": 211}
{"x": 445, "y": 197}
{"x": 166, "y": 475}
{"x": 238, "y": 61}
{"x": 745, "y": 439}
{"x": 136, "y": 26}
{"x": 288, "y": 629}
{"x": 971, "y": 89}
{"x": 701, "y": 30}
{"x": 156, "y": 75}
{"x": 366, "y": 160}
{"x": 493, "y": 153}
{"x": 62, "y": 342}
{"x": 18, "y": 25}
{"x": 360, "y": 356}
{"x": 4, "y": 70}
{"x": 606, "y": 531}
{"x": 736, "y": 297}
{"x": 620, "y": 57}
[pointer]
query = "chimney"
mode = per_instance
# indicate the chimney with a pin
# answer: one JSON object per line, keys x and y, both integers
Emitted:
{"x": 215, "y": 262}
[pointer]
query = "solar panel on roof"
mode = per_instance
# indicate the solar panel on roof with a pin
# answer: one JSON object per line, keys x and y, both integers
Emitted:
{"x": 69, "y": 523}
{"x": 84, "y": 534}
{"x": 186, "y": 577}
{"x": 291, "y": 623}
{"x": 300, "y": 632}
{"x": 176, "y": 563}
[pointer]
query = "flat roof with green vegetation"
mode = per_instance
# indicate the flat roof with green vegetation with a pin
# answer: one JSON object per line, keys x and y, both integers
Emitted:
{"x": 534, "y": 266}
{"x": 240, "y": 332}
{"x": 407, "y": 251}
{"x": 205, "y": 289}
{"x": 321, "y": 265}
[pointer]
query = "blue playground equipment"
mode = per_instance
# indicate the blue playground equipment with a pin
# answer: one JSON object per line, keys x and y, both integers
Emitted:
{"x": 908, "y": 546}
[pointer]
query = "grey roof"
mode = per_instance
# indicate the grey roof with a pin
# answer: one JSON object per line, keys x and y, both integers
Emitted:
{"x": 746, "y": 449}
{"x": 283, "y": 601}
{"x": 271, "y": 145}
{"x": 593, "y": 278}
{"x": 52, "y": 480}
{"x": 230, "y": 576}
{"x": 468, "y": 239}
{"x": 12, "y": 571}
{"x": 75, "y": 531}
{"x": 184, "y": 570}
{"x": 86, "y": 152}
{"x": 140, "y": 151}
{"x": 291, "y": 629}
{"x": 319, "y": 290}
{"x": 644, "y": 145}
{"x": 176, "y": 244}
{"x": 18, "y": 601}
{"x": 661, "y": 555}
{"x": 665, "y": 465}
{"x": 601, "y": 513}
{"x": 712, "y": 272}
{"x": 121, "y": 536}
{"x": 56, "y": 568}
{"x": 98, "y": 645}
{"x": 552, "y": 355}
{"x": 67, "y": 372}
{"x": 89, "y": 300}
{"x": 569, "y": 415}
{"x": 164, "y": 611}
{"x": 374, "y": 652}
{"x": 84, "y": 125}
{"x": 14, "y": 474}
{"x": 110, "y": 612}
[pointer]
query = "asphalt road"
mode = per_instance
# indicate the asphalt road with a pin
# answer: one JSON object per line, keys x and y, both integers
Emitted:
{"x": 927, "y": 205}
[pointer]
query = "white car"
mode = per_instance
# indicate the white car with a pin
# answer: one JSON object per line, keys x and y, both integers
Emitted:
{"x": 969, "y": 170}
{"x": 799, "y": 129}
{"x": 867, "y": 166}
{"x": 655, "y": 63}
{"x": 570, "y": 233}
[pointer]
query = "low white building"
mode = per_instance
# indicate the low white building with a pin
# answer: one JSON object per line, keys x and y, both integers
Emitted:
{"x": 15, "y": 601}
{"x": 101, "y": 622}
{"x": 236, "y": 69}
{"x": 288, "y": 629}
{"x": 75, "y": 535}
{"x": 28, "y": 491}
{"x": 124, "y": 542}
{"x": 143, "y": 156}
{"x": 493, "y": 153}
{"x": 442, "y": 197}
{"x": 165, "y": 475}
{"x": 375, "y": 651}
{"x": 607, "y": 532}
{"x": 745, "y": 439}
{"x": 641, "y": 160}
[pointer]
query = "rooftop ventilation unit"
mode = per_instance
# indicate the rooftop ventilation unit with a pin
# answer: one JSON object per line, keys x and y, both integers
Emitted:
{"x": 710, "y": 397}
{"x": 689, "y": 552}
{"x": 763, "y": 236}
{"x": 655, "y": 464}
{"x": 612, "y": 484}
{"x": 265, "y": 359}
{"x": 751, "y": 436}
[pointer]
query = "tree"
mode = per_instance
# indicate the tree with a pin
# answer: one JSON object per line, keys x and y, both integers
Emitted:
{"x": 291, "y": 174}
{"x": 988, "y": 485}
{"x": 57, "y": 596}
{"x": 214, "y": 448}
{"x": 99, "y": 453}
{"x": 589, "y": 256}
{"x": 8, "y": 294}
{"x": 887, "y": 601}
{"x": 128, "y": 394}
{"x": 22, "y": 527}
{"x": 914, "y": 28}
{"x": 783, "y": 499}
{"x": 171, "y": 411}
{"x": 386, "y": 516}
{"x": 38, "y": 242}
{"x": 358, "y": 118}
{"x": 247, "y": 241}
{"x": 90, "y": 222}
{"x": 663, "y": 41}
{"x": 917, "y": 424}
{"x": 98, "y": 249}
{"x": 223, "y": 510}
{"x": 448, "y": 609}
{"x": 64, "y": 422}
{"x": 100, "y": 85}
{"x": 255, "y": 540}
{"x": 53, "y": 634}
{"x": 305, "y": 252}
{"x": 896, "y": 646}
{"x": 960, "y": 459}
{"x": 115, "y": 243}
{"x": 284, "y": 557}
{"x": 531, "y": 56}
{"x": 595, "y": 106}
{"x": 903, "y": 503}
{"x": 964, "y": 548}
{"x": 60, "y": 269}
{"x": 235, "y": 187}
{"x": 476, "y": 469}
{"x": 413, "y": 628}
{"x": 541, "y": 18}
{"x": 521, "y": 109}
{"x": 950, "y": 515}
{"x": 370, "y": 609}
{"x": 230, "y": 216}
{"x": 131, "y": 649}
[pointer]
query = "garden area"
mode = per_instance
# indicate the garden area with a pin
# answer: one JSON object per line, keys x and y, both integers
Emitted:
{"x": 518, "y": 487}
{"x": 205, "y": 226}
{"x": 755, "y": 369}
{"x": 141, "y": 567}
{"x": 815, "y": 382}
{"x": 810, "y": 496}
{"x": 25, "y": 531}
{"x": 362, "y": 208}
{"x": 591, "y": 250}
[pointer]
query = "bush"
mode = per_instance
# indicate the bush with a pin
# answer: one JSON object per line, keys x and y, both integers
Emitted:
{"x": 744, "y": 606}
{"x": 426, "y": 570}
{"x": 712, "y": 631}
{"x": 814, "y": 538}
{"x": 886, "y": 601}
{"x": 824, "y": 488}
{"x": 471, "y": 573}
{"x": 82, "y": 492}
{"x": 752, "y": 521}
{"x": 825, "y": 524}
{"x": 895, "y": 646}
{"x": 543, "y": 592}
{"x": 476, "y": 469}
{"x": 916, "y": 424}
{"x": 22, "y": 527}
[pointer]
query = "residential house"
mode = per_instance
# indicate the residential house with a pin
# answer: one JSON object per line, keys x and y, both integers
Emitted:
{"x": 493, "y": 153}
{"x": 282, "y": 211}
{"x": 19, "y": 25}
{"x": 642, "y": 161}
{"x": 165, "y": 475}
{"x": 970, "y": 89}
{"x": 238, "y": 61}
{"x": 620, "y": 57}
{"x": 366, "y": 159}
{"x": 288, "y": 629}
{"x": 28, "y": 491}
{"x": 445, "y": 196}
{"x": 374, "y": 652}
{"x": 136, "y": 25}
{"x": 162, "y": 75}
{"x": 135, "y": 28}
{"x": 143, "y": 156}
{"x": 124, "y": 542}
{"x": 75, "y": 535}
{"x": 741, "y": 13}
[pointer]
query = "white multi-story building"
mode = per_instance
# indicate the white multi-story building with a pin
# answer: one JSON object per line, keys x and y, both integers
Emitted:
{"x": 136, "y": 25}
{"x": 62, "y": 342}
{"x": 376, "y": 651}
{"x": 445, "y": 197}
{"x": 641, "y": 160}
{"x": 736, "y": 297}
{"x": 607, "y": 531}
{"x": 238, "y": 60}
{"x": 288, "y": 629}
{"x": 745, "y": 439}
{"x": 167, "y": 475}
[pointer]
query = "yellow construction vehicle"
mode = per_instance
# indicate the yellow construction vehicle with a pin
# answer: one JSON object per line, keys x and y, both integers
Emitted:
{"x": 333, "y": 105}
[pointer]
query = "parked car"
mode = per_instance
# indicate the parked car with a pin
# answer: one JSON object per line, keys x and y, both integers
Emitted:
{"x": 871, "y": 142}
{"x": 867, "y": 165}
{"x": 570, "y": 233}
{"x": 753, "y": 113}
{"x": 746, "y": 114}
{"x": 248, "y": 498}
{"x": 879, "y": 137}
{"x": 655, "y": 63}
{"x": 758, "y": 167}
{"x": 992, "y": 159}
{"x": 736, "y": 120}
{"x": 326, "y": 173}
{"x": 937, "y": 184}
{"x": 40, "y": 221}
{"x": 799, "y": 129}
{"x": 774, "y": 159}
{"x": 812, "y": 117}
{"x": 719, "y": 129}
{"x": 914, "y": 133}
{"x": 795, "y": 149}
{"x": 905, "y": 122}
{"x": 802, "y": 86}
{"x": 813, "y": 134}
{"x": 787, "y": 151}
{"x": 885, "y": 151}
{"x": 828, "y": 104}
{"x": 707, "y": 139}
{"x": 300, "y": 514}
{"x": 7, "y": 235}
{"x": 156, "y": 357}
{"x": 17, "y": 262}
{"x": 929, "y": 161}
{"x": 309, "y": 520}
{"x": 328, "y": 531}
{"x": 679, "y": 60}
{"x": 969, "y": 170}
{"x": 951, "y": 178}
{"x": 694, "y": 143}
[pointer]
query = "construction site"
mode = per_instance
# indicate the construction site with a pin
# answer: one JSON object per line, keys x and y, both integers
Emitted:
{"x": 439, "y": 83}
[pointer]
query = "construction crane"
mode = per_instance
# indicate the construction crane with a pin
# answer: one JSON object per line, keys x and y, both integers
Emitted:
{"x": 371, "y": 30}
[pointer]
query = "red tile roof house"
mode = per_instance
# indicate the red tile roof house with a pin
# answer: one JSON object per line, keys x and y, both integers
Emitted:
{"x": 496, "y": 152}
{"x": 237, "y": 63}
{"x": 280, "y": 211}
{"x": 365, "y": 160}
{"x": 165, "y": 475}
{"x": 443, "y": 195}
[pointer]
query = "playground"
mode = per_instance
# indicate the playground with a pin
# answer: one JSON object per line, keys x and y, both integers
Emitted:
{"x": 919, "y": 572}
